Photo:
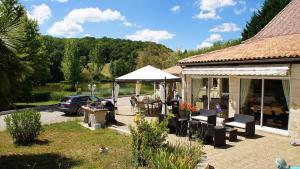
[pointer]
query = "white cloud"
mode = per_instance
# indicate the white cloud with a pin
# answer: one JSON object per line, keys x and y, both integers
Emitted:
{"x": 40, "y": 13}
{"x": 175, "y": 8}
{"x": 226, "y": 27}
{"x": 214, "y": 38}
{"x": 208, "y": 8}
{"x": 241, "y": 7}
{"x": 204, "y": 45}
{"x": 61, "y": 1}
{"x": 212, "y": 14}
{"x": 83, "y": 15}
{"x": 72, "y": 23}
{"x": 208, "y": 42}
{"x": 150, "y": 35}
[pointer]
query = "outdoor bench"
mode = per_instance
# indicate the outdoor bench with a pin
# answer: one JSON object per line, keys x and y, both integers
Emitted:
{"x": 242, "y": 121}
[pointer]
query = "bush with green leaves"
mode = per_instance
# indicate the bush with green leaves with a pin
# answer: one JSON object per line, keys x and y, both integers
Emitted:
{"x": 24, "y": 126}
{"x": 150, "y": 148}
{"x": 147, "y": 135}
{"x": 178, "y": 156}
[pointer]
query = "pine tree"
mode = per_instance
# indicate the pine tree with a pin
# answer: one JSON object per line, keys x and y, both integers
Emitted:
{"x": 262, "y": 17}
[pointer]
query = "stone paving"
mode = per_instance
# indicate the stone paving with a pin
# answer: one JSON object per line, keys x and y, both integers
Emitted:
{"x": 256, "y": 153}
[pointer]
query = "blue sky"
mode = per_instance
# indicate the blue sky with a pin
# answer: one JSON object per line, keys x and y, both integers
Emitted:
{"x": 178, "y": 24}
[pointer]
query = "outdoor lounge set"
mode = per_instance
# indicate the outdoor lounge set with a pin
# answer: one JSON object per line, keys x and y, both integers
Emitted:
{"x": 202, "y": 125}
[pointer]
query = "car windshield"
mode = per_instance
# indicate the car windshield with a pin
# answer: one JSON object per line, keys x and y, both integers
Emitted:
{"x": 66, "y": 99}
{"x": 94, "y": 99}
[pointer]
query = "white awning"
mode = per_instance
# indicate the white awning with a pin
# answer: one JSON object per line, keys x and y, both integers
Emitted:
{"x": 147, "y": 73}
{"x": 281, "y": 70}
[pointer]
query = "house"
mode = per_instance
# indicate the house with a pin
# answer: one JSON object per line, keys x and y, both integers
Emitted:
{"x": 260, "y": 77}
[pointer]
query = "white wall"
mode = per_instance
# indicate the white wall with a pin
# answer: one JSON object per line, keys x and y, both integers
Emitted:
{"x": 294, "y": 118}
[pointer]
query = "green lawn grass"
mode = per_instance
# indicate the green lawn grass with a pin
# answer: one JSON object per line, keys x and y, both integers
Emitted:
{"x": 67, "y": 145}
{"x": 46, "y": 103}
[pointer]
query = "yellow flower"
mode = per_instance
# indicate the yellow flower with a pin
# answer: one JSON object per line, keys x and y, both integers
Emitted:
{"x": 137, "y": 119}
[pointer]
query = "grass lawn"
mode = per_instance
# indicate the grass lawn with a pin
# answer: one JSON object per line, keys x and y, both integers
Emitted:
{"x": 67, "y": 145}
{"x": 33, "y": 104}
{"x": 46, "y": 103}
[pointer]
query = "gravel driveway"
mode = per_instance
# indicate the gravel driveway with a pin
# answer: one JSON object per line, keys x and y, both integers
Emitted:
{"x": 47, "y": 117}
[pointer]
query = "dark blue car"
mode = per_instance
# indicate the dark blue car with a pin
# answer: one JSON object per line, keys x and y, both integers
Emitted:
{"x": 71, "y": 105}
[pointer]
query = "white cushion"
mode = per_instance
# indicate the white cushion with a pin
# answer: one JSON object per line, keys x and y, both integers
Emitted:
{"x": 236, "y": 124}
{"x": 201, "y": 118}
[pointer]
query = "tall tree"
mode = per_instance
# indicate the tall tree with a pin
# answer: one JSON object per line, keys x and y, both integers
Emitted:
{"x": 263, "y": 16}
{"x": 13, "y": 69}
{"x": 97, "y": 56}
{"x": 71, "y": 66}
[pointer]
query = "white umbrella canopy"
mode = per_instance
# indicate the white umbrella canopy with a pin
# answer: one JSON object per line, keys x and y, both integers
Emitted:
{"x": 147, "y": 74}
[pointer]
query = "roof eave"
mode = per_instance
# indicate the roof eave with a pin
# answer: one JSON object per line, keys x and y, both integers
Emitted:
{"x": 257, "y": 61}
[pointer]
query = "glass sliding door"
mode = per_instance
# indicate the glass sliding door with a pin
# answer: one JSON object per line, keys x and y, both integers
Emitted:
{"x": 276, "y": 101}
{"x": 219, "y": 96}
{"x": 250, "y": 98}
{"x": 200, "y": 93}
{"x": 275, "y": 93}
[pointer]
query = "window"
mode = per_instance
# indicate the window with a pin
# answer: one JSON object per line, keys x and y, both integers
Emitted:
{"x": 272, "y": 95}
{"x": 211, "y": 93}
{"x": 199, "y": 93}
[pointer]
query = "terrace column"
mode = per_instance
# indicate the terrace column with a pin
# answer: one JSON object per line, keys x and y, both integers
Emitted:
{"x": 294, "y": 114}
{"x": 234, "y": 89}
{"x": 183, "y": 90}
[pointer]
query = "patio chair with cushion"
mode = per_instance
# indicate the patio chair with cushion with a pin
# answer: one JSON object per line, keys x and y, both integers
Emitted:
{"x": 242, "y": 121}
{"x": 210, "y": 116}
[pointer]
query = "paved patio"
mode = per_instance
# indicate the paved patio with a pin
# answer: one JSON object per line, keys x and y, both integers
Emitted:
{"x": 257, "y": 153}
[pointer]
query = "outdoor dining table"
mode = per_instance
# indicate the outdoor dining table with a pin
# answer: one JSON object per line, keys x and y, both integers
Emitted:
{"x": 150, "y": 105}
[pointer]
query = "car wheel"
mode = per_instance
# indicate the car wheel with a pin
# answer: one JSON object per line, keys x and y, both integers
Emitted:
{"x": 80, "y": 112}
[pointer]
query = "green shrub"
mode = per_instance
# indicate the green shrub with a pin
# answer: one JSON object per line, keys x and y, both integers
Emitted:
{"x": 57, "y": 96}
{"x": 24, "y": 126}
{"x": 174, "y": 157}
{"x": 40, "y": 96}
{"x": 146, "y": 135}
{"x": 67, "y": 87}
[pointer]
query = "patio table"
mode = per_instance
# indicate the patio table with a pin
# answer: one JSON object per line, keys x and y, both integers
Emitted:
{"x": 208, "y": 117}
{"x": 150, "y": 105}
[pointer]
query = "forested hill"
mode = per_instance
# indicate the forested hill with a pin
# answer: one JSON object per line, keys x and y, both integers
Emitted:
{"x": 123, "y": 55}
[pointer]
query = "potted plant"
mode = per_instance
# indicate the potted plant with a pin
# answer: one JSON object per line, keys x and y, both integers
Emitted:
{"x": 187, "y": 109}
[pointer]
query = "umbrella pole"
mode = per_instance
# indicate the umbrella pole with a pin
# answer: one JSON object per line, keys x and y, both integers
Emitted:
{"x": 113, "y": 96}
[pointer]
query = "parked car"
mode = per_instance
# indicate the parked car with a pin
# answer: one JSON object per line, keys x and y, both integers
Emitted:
{"x": 72, "y": 104}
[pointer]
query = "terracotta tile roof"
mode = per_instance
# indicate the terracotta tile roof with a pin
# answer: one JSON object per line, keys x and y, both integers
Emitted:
{"x": 286, "y": 22}
{"x": 175, "y": 70}
{"x": 278, "y": 39}
{"x": 287, "y": 46}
